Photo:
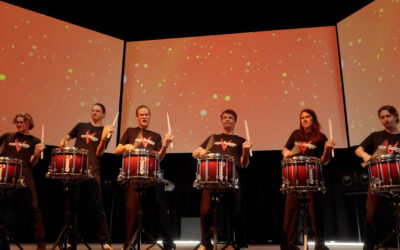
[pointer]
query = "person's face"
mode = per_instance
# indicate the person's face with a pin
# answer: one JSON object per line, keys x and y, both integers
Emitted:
{"x": 306, "y": 120}
{"x": 143, "y": 117}
{"x": 97, "y": 113}
{"x": 21, "y": 125}
{"x": 228, "y": 121}
{"x": 387, "y": 119}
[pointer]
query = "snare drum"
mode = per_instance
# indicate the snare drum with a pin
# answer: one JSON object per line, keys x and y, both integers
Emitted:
{"x": 216, "y": 171}
{"x": 69, "y": 162}
{"x": 141, "y": 165}
{"x": 10, "y": 170}
{"x": 302, "y": 174}
{"x": 384, "y": 172}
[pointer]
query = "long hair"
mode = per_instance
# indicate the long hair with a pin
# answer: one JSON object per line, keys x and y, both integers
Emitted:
{"x": 315, "y": 134}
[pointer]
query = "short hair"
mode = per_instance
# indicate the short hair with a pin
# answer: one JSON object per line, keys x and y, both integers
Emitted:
{"x": 229, "y": 111}
{"x": 27, "y": 118}
{"x": 392, "y": 110}
{"x": 142, "y": 106}
{"x": 103, "y": 108}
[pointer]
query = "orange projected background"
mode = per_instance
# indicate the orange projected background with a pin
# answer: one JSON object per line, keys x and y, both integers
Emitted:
{"x": 370, "y": 52}
{"x": 55, "y": 71}
{"x": 267, "y": 77}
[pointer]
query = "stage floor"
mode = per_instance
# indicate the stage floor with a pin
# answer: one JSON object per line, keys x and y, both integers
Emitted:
{"x": 190, "y": 246}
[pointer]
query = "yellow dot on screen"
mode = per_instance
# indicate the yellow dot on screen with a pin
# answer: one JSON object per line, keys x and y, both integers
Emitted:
{"x": 381, "y": 10}
{"x": 34, "y": 47}
{"x": 170, "y": 49}
{"x": 359, "y": 40}
{"x": 227, "y": 98}
{"x": 90, "y": 41}
{"x": 302, "y": 103}
{"x": 298, "y": 39}
{"x": 248, "y": 63}
{"x": 2, "y": 77}
{"x": 70, "y": 70}
{"x": 284, "y": 74}
{"x": 83, "y": 104}
{"x": 145, "y": 65}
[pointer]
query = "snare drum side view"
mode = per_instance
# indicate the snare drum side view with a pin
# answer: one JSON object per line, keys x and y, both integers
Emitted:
{"x": 384, "y": 172}
{"x": 302, "y": 174}
{"x": 216, "y": 169}
{"x": 10, "y": 170}
{"x": 140, "y": 163}
{"x": 68, "y": 161}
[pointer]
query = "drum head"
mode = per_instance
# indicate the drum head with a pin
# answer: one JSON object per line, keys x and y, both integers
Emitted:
{"x": 301, "y": 159}
{"x": 8, "y": 160}
{"x": 141, "y": 151}
{"x": 69, "y": 150}
{"x": 384, "y": 158}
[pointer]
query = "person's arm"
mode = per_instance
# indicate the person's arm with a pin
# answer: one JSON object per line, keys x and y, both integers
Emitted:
{"x": 200, "y": 151}
{"x": 245, "y": 158}
{"x": 35, "y": 157}
{"x": 122, "y": 148}
{"x": 64, "y": 141}
{"x": 167, "y": 140}
{"x": 109, "y": 129}
{"x": 327, "y": 155}
{"x": 285, "y": 152}
{"x": 360, "y": 152}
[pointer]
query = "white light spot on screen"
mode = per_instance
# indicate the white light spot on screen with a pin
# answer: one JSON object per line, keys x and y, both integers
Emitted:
{"x": 203, "y": 112}
{"x": 215, "y": 96}
{"x": 125, "y": 79}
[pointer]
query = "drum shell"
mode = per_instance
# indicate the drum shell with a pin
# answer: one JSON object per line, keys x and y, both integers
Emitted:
{"x": 69, "y": 161}
{"x": 301, "y": 171}
{"x": 386, "y": 169}
{"x": 10, "y": 170}
{"x": 140, "y": 163}
{"x": 216, "y": 168}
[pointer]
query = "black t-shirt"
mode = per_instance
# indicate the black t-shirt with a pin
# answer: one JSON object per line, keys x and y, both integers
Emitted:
{"x": 147, "y": 139}
{"x": 381, "y": 142}
{"x": 305, "y": 147}
{"x": 225, "y": 144}
{"x": 19, "y": 146}
{"x": 88, "y": 137}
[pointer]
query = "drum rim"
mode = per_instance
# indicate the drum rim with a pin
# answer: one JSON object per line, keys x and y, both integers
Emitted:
{"x": 69, "y": 150}
{"x": 141, "y": 151}
{"x": 301, "y": 159}
{"x": 383, "y": 158}
{"x": 10, "y": 160}
{"x": 216, "y": 156}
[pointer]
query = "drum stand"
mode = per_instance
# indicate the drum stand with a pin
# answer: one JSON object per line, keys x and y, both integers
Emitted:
{"x": 395, "y": 199}
{"x": 5, "y": 236}
{"x": 137, "y": 237}
{"x": 214, "y": 228}
{"x": 64, "y": 238}
{"x": 304, "y": 210}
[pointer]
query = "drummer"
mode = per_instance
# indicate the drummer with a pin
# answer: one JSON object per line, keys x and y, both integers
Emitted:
{"x": 306, "y": 141}
{"x": 94, "y": 137}
{"x": 384, "y": 142}
{"x": 142, "y": 138}
{"x": 21, "y": 145}
{"x": 226, "y": 143}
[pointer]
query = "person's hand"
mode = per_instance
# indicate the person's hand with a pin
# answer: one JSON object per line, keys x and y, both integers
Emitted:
{"x": 329, "y": 145}
{"x": 247, "y": 145}
{"x": 168, "y": 139}
{"x": 128, "y": 147}
{"x": 39, "y": 148}
{"x": 107, "y": 130}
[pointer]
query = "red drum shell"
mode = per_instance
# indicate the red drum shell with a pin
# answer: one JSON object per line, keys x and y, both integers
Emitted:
{"x": 140, "y": 163}
{"x": 216, "y": 168}
{"x": 69, "y": 161}
{"x": 386, "y": 168}
{"x": 300, "y": 171}
{"x": 10, "y": 170}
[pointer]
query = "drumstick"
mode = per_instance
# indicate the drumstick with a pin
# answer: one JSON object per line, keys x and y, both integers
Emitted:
{"x": 169, "y": 128}
{"x": 41, "y": 154}
{"x": 113, "y": 124}
{"x": 331, "y": 134}
{"x": 246, "y": 127}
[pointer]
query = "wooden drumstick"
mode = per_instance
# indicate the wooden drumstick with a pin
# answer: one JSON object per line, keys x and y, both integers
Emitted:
{"x": 113, "y": 124}
{"x": 41, "y": 154}
{"x": 246, "y": 127}
{"x": 169, "y": 129}
{"x": 331, "y": 134}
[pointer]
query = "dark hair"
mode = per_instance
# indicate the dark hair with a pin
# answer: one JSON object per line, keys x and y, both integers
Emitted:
{"x": 27, "y": 118}
{"x": 142, "y": 106}
{"x": 103, "y": 108}
{"x": 229, "y": 111}
{"x": 315, "y": 134}
{"x": 392, "y": 110}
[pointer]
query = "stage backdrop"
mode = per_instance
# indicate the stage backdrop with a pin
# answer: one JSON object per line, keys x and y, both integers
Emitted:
{"x": 370, "y": 55}
{"x": 55, "y": 71}
{"x": 267, "y": 77}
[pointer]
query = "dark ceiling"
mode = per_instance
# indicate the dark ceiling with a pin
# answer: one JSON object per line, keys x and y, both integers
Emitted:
{"x": 138, "y": 20}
